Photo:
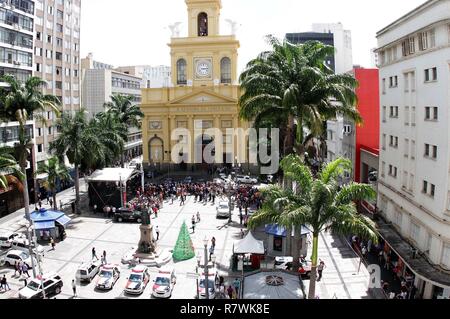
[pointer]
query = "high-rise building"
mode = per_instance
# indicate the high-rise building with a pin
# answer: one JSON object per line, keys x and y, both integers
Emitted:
{"x": 152, "y": 76}
{"x": 99, "y": 82}
{"x": 414, "y": 181}
{"x": 57, "y": 61}
{"x": 16, "y": 58}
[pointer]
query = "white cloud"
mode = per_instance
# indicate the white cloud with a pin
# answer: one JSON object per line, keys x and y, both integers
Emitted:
{"x": 135, "y": 31}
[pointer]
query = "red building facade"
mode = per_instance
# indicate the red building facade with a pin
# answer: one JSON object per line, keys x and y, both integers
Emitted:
{"x": 367, "y": 137}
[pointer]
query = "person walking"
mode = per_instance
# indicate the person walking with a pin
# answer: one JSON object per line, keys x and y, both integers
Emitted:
{"x": 52, "y": 242}
{"x": 74, "y": 288}
{"x": 193, "y": 223}
{"x": 230, "y": 292}
{"x": 16, "y": 268}
{"x": 198, "y": 217}
{"x": 213, "y": 242}
{"x": 4, "y": 283}
{"x": 157, "y": 233}
{"x": 241, "y": 218}
{"x": 25, "y": 270}
{"x": 94, "y": 254}
{"x": 103, "y": 257}
{"x": 237, "y": 284}
{"x": 320, "y": 269}
{"x": 211, "y": 252}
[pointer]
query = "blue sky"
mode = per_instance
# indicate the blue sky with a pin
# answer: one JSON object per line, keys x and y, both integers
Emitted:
{"x": 135, "y": 32}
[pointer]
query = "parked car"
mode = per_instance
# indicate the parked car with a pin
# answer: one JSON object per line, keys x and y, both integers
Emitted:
{"x": 164, "y": 283}
{"x": 223, "y": 176}
{"x": 286, "y": 264}
{"x": 128, "y": 215}
{"x": 223, "y": 210}
{"x": 87, "y": 271}
{"x": 138, "y": 280}
{"x": 267, "y": 179}
{"x": 213, "y": 280}
{"x": 13, "y": 255}
{"x": 6, "y": 238}
{"x": 246, "y": 179}
{"x": 22, "y": 243}
{"x": 107, "y": 277}
{"x": 52, "y": 286}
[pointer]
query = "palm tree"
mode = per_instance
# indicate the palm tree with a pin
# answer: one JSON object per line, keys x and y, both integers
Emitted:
{"x": 55, "y": 170}
{"x": 79, "y": 141}
{"x": 22, "y": 102}
{"x": 10, "y": 172}
{"x": 126, "y": 111}
{"x": 113, "y": 134}
{"x": 321, "y": 204}
{"x": 292, "y": 84}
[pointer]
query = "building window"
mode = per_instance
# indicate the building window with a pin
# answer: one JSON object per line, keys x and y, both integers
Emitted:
{"x": 383, "y": 142}
{"x": 225, "y": 70}
{"x": 384, "y": 86}
{"x": 431, "y": 75}
{"x": 393, "y": 113}
{"x": 407, "y": 115}
{"x": 428, "y": 188}
{"x": 398, "y": 218}
{"x": 384, "y": 114}
{"x": 405, "y": 179}
{"x": 50, "y": 130}
{"x": 202, "y": 24}
{"x": 413, "y": 116}
{"x": 431, "y": 113}
{"x": 411, "y": 182}
{"x": 423, "y": 41}
{"x": 383, "y": 169}
{"x": 393, "y": 142}
{"x": 406, "y": 147}
{"x": 181, "y": 72}
{"x": 413, "y": 149}
{"x": 393, "y": 171}
{"x": 431, "y": 151}
{"x": 393, "y": 81}
{"x": 40, "y": 148}
{"x": 277, "y": 243}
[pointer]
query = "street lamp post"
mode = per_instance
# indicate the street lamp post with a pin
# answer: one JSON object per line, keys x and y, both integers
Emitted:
{"x": 30, "y": 249}
{"x": 120, "y": 187}
{"x": 198, "y": 265}
{"x": 205, "y": 242}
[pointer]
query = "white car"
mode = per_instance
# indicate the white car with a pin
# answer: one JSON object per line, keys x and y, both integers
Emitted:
{"x": 223, "y": 209}
{"x": 246, "y": 179}
{"x": 12, "y": 256}
{"x": 107, "y": 277}
{"x": 52, "y": 286}
{"x": 223, "y": 176}
{"x": 164, "y": 283}
{"x": 138, "y": 280}
{"x": 87, "y": 271}
{"x": 6, "y": 239}
{"x": 213, "y": 279}
{"x": 22, "y": 243}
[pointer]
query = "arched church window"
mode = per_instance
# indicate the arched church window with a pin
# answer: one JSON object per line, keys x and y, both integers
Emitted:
{"x": 225, "y": 70}
{"x": 181, "y": 72}
{"x": 202, "y": 24}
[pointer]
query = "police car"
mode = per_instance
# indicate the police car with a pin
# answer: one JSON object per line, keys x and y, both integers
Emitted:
{"x": 164, "y": 283}
{"x": 107, "y": 277}
{"x": 52, "y": 284}
{"x": 138, "y": 280}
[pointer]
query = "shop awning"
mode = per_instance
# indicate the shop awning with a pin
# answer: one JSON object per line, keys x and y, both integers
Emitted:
{"x": 63, "y": 220}
{"x": 280, "y": 231}
{"x": 112, "y": 175}
{"x": 44, "y": 225}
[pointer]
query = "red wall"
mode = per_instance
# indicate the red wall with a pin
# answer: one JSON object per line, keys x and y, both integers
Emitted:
{"x": 368, "y": 133}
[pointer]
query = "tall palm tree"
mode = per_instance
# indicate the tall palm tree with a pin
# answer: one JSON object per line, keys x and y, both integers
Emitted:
{"x": 292, "y": 85}
{"x": 22, "y": 102}
{"x": 113, "y": 134}
{"x": 126, "y": 111}
{"x": 321, "y": 204}
{"x": 55, "y": 170}
{"x": 10, "y": 172}
{"x": 80, "y": 142}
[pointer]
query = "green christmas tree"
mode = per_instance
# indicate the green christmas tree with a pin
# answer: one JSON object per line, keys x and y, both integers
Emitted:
{"x": 184, "y": 249}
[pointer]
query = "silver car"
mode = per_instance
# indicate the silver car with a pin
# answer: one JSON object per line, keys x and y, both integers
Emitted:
{"x": 87, "y": 271}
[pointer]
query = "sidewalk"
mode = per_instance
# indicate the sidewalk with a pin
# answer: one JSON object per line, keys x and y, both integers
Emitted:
{"x": 65, "y": 197}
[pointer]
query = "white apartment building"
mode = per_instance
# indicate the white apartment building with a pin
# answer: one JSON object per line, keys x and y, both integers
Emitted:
{"x": 414, "y": 173}
{"x": 153, "y": 77}
{"x": 99, "y": 83}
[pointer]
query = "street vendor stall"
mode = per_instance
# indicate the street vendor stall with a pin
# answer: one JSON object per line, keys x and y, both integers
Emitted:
{"x": 49, "y": 223}
{"x": 249, "y": 252}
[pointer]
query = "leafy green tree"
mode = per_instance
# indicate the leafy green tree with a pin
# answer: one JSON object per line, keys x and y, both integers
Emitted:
{"x": 321, "y": 204}
{"x": 10, "y": 172}
{"x": 292, "y": 87}
{"x": 80, "y": 142}
{"x": 56, "y": 170}
{"x": 20, "y": 103}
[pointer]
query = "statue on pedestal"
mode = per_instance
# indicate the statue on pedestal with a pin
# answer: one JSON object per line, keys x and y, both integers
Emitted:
{"x": 147, "y": 244}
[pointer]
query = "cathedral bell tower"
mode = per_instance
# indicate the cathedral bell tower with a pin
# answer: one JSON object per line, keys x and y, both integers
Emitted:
{"x": 203, "y": 17}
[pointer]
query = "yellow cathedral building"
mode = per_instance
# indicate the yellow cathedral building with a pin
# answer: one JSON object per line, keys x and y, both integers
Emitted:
{"x": 203, "y": 94}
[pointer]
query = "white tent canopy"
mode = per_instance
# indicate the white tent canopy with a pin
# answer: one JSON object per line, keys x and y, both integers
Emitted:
{"x": 109, "y": 174}
{"x": 249, "y": 245}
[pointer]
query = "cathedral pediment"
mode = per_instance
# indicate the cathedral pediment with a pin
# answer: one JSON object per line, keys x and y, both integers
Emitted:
{"x": 203, "y": 97}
